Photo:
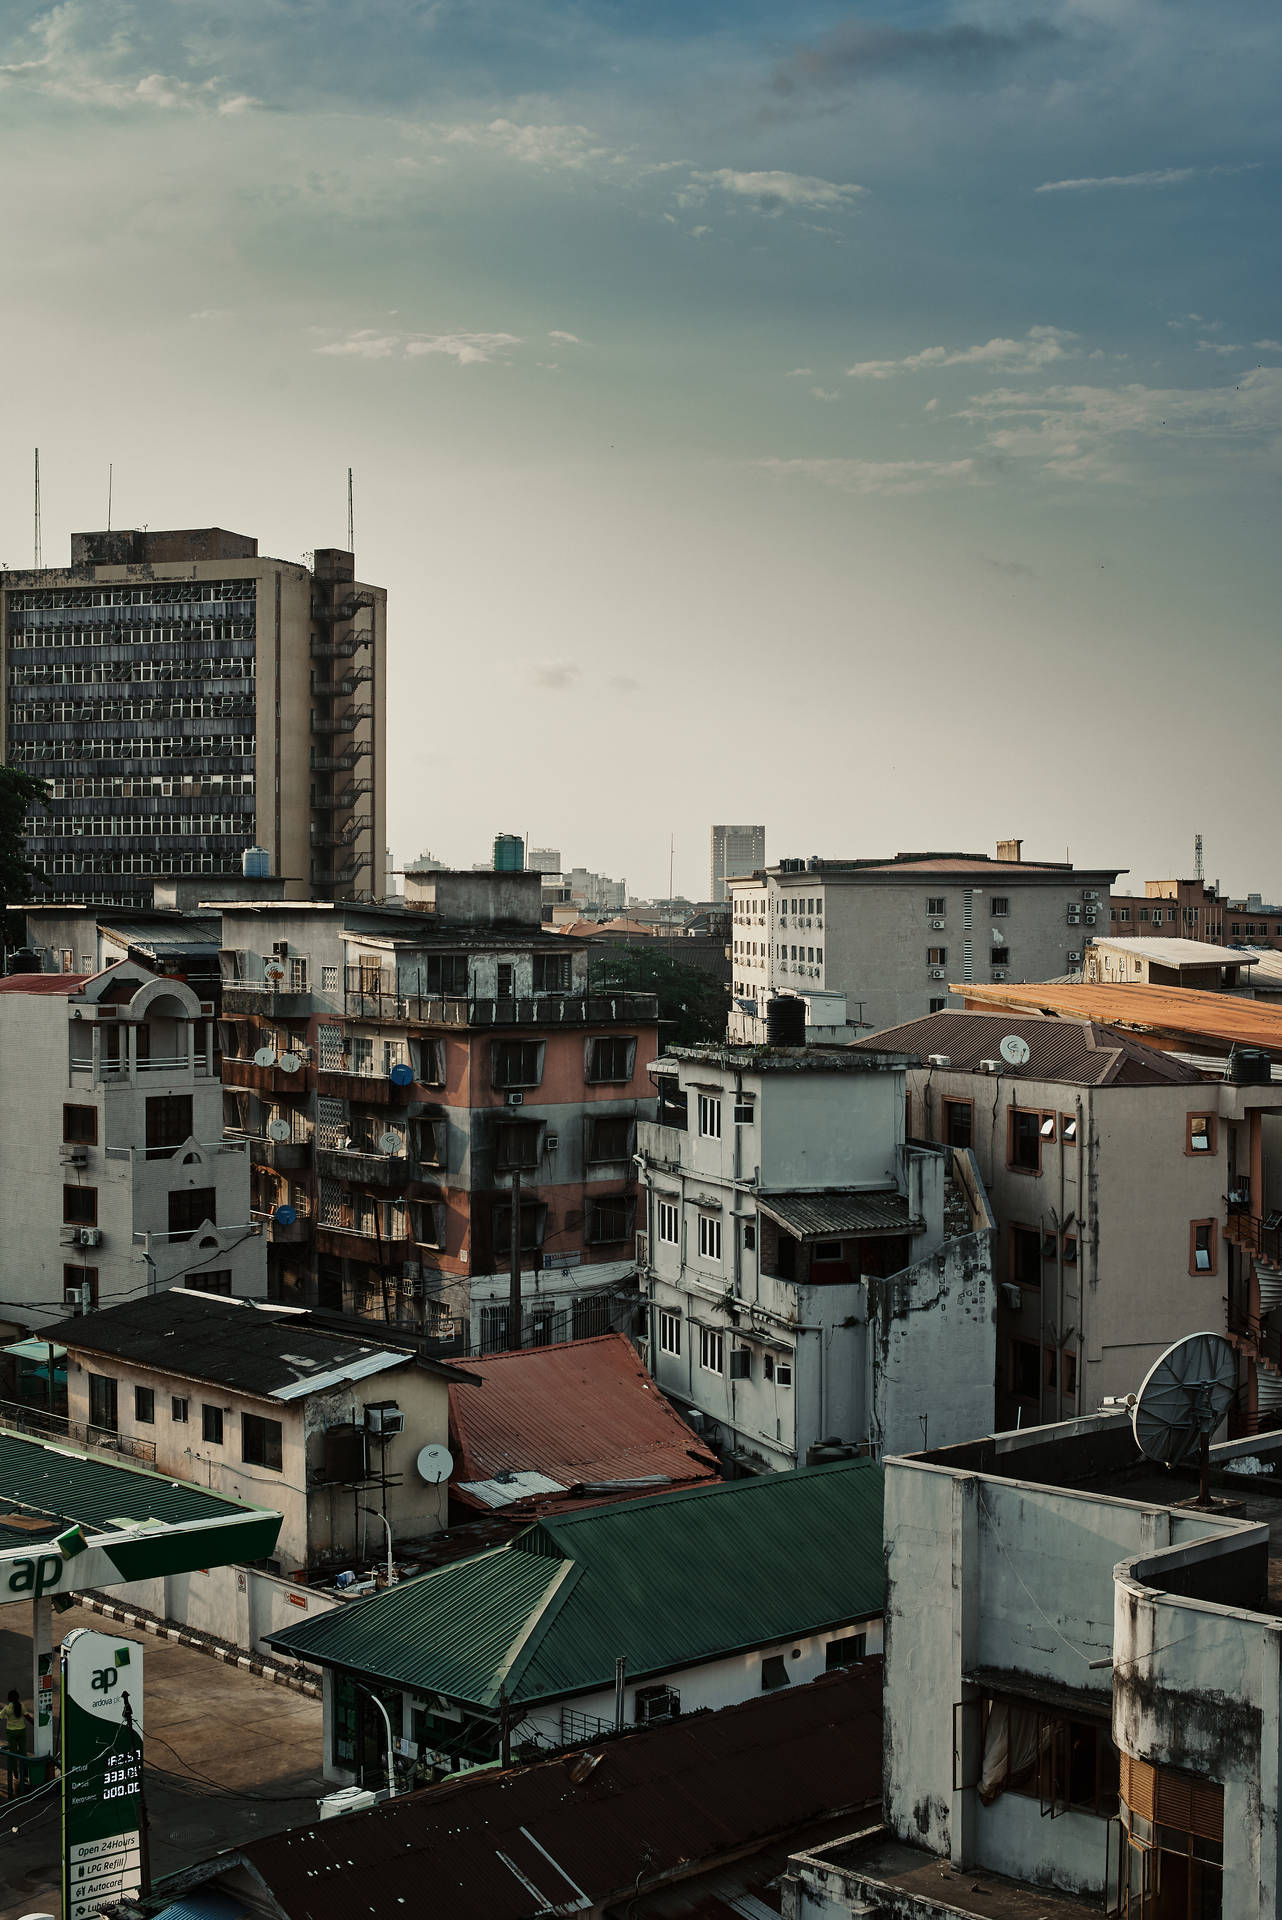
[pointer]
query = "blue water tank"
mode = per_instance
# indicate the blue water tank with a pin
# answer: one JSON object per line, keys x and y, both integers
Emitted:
{"x": 256, "y": 863}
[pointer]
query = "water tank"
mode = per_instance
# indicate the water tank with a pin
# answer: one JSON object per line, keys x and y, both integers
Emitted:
{"x": 345, "y": 1454}
{"x": 256, "y": 863}
{"x": 1249, "y": 1067}
{"x": 786, "y": 1021}
{"x": 509, "y": 853}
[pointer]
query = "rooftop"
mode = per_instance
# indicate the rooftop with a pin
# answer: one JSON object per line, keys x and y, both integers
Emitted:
{"x": 235, "y": 1343}
{"x": 583, "y": 1418}
{"x": 48, "y": 983}
{"x": 1079, "y": 1053}
{"x": 886, "y": 1868}
{"x": 587, "y": 1828}
{"x": 1185, "y": 1017}
{"x": 767, "y": 1059}
{"x": 1175, "y": 953}
{"x": 924, "y": 865}
{"x": 848, "y": 1212}
{"x": 666, "y": 1582}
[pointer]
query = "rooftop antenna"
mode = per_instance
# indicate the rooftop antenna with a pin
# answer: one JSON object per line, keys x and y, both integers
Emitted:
{"x": 1199, "y": 872}
{"x": 109, "y": 476}
{"x": 672, "y": 842}
{"x": 37, "y": 523}
{"x": 351, "y": 524}
{"x": 1185, "y": 1398}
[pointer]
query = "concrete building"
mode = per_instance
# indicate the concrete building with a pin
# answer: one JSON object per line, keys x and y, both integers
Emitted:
{"x": 258, "y": 1404}
{"x": 1168, "y": 963}
{"x": 735, "y": 850}
{"x": 186, "y": 700}
{"x": 1195, "y": 910}
{"x": 1111, "y": 1169}
{"x": 892, "y": 934}
{"x": 544, "y": 860}
{"x": 810, "y": 1276}
{"x": 117, "y": 1176}
{"x": 398, "y": 1071}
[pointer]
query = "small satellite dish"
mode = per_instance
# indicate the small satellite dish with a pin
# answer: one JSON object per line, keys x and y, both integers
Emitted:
{"x": 285, "y": 1216}
{"x": 273, "y": 972}
{"x": 278, "y": 1130}
{"x": 401, "y": 1075}
{"x": 1015, "y": 1050}
{"x": 290, "y": 1062}
{"x": 434, "y": 1464}
{"x": 265, "y": 1057}
{"x": 389, "y": 1142}
{"x": 1185, "y": 1398}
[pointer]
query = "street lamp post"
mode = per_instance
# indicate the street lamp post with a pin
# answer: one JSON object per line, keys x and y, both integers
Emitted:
{"x": 376, "y": 1515}
{"x": 387, "y": 1722}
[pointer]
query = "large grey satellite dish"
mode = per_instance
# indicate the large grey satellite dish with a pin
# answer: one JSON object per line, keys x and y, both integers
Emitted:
{"x": 434, "y": 1464}
{"x": 1185, "y": 1398}
{"x": 1015, "y": 1050}
{"x": 278, "y": 1130}
{"x": 389, "y": 1142}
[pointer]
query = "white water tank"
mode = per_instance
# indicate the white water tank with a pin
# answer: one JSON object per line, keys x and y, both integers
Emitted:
{"x": 256, "y": 863}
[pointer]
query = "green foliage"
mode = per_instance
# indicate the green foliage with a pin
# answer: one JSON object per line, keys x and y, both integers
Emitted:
{"x": 692, "y": 1004}
{"x": 19, "y": 792}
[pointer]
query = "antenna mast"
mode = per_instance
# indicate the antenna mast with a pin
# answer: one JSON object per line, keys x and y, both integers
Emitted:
{"x": 37, "y": 519}
{"x": 351, "y": 524}
{"x": 1199, "y": 872}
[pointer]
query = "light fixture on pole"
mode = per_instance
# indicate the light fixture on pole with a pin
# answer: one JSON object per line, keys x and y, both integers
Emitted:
{"x": 374, "y": 1514}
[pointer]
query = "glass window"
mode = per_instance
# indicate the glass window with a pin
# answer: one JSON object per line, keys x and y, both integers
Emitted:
{"x": 1025, "y": 1140}
{"x": 958, "y": 1122}
{"x": 774, "y": 1673}
{"x": 517, "y": 1063}
{"x": 712, "y": 1350}
{"x": 191, "y": 1208}
{"x": 211, "y": 1425}
{"x": 103, "y": 1403}
{"x": 709, "y": 1116}
{"x": 169, "y": 1122}
{"x": 1026, "y": 1256}
{"x": 845, "y": 1653}
{"x": 609, "y": 1138}
{"x": 1201, "y": 1133}
{"x": 999, "y": 906}
{"x": 178, "y": 1409}
{"x": 260, "y": 1441}
{"x": 80, "y": 1126}
{"x": 669, "y": 1223}
{"x": 669, "y": 1332}
{"x": 80, "y": 1206}
{"x": 145, "y": 1406}
{"x": 709, "y": 1237}
{"x": 611, "y": 1058}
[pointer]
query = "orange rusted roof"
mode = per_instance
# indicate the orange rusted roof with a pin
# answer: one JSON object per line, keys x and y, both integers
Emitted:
{"x": 1182, "y": 1015}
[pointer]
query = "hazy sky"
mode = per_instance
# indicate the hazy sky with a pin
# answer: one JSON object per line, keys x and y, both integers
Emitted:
{"x": 868, "y": 422}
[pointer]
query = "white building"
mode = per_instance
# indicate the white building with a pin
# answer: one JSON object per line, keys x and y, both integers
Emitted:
{"x": 735, "y": 850}
{"x": 1153, "y": 961}
{"x": 117, "y": 1177}
{"x": 804, "y": 1283}
{"x": 892, "y": 935}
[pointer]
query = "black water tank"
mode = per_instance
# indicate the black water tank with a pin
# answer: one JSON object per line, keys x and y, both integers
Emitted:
{"x": 786, "y": 1021}
{"x": 345, "y": 1454}
{"x": 1249, "y": 1067}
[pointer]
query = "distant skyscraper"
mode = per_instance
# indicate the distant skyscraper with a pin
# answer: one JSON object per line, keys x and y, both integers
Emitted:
{"x": 543, "y": 860}
{"x": 735, "y": 850}
{"x": 509, "y": 853}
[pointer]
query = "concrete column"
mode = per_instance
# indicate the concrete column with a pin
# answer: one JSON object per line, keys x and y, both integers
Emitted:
{"x": 209, "y": 1048}
{"x": 966, "y": 1583}
{"x": 1260, "y": 1833}
{"x": 131, "y": 1051}
{"x": 42, "y": 1690}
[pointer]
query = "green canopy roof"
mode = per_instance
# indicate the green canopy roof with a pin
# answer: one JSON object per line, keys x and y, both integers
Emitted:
{"x": 666, "y": 1582}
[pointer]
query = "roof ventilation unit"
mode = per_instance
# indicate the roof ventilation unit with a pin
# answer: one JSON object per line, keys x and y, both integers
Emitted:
{"x": 990, "y": 1066}
{"x": 939, "y": 1060}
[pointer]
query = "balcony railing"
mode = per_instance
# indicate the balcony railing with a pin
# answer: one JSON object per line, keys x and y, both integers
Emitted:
{"x": 233, "y": 1143}
{"x": 255, "y": 996}
{"x": 546, "y": 1010}
{"x": 175, "y": 1065}
{"x": 368, "y": 1166}
{"x": 1254, "y": 1235}
{"x": 19, "y": 1418}
{"x": 1265, "y": 1341}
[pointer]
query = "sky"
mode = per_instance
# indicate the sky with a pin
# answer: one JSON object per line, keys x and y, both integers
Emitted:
{"x": 865, "y": 421}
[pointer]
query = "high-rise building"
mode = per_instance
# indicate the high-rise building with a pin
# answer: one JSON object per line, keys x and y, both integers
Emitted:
{"x": 187, "y": 700}
{"x": 735, "y": 850}
{"x": 543, "y": 860}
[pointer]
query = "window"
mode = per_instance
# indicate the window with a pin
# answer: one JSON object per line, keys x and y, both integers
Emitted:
{"x": 712, "y": 1350}
{"x": 1025, "y": 1370}
{"x": 1143, "y": 913}
{"x": 709, "y": 1237}
{"x": 937, "y": 956}
{"x": 999, "y": 956}
{"x": 518, "y": 1144}
{"x": 533, "y": 1219}
{"x": 1057, "y": 1758}
{"x": 783, "y": 1372}
{"x": 211, "y": 1425}
{"x": 1123, "y": 913}
{"x": 826, "y": 1250}
{"x": 80, "y": 1126}
{"x": 609, "y": 1219}
{"x": 190, "y": 1209}
{"x": 1200, "y": 1137}
{"x": 1024, "y": 1150}
{"x": 505, "y": 979}
{"x": 1047, "y": 1129}
{"x": 260, "y": 1442}
{"x": 329, "y": 979}
{"x": 102, "y": 1403}
{"x": 669, "y": 1332}
{"x": 936, "y": 904}
{"x": 774, "y": 1673}
{"x": 210, "y": 1280}
{"x": 1070, "y": 1249}
{"x": 145, "y": 1406}
{"x": 750, "y": 1236}
{"x": 669, "y": 1223}
{"x": 1026, "y": 1256}
{"x": 298, "y": 982}
{"x": 611, "y": 1059}
{"x": 844, "y": 1653}
{"x": 1157, "y": 918}
{"x": 1202, "y": 1248}
{"x": 552, "y": 972}
{"x": 178, "y": 1407}
{"x": 74, "y": 1281}
{"x": 745, "y": 1112}
{"x": 709, "y": 1117}
{"x": 959, "y": 1122}
{"x": 937, "y": 1006}
{"x": 999, "y": 906}
{"x": 1067, "y": 1128}
{"x": 517, "y": 1063}
{"x": 493, "y": 1329}
{"x": 169, "y": 1122}
{"x": 609, "y": 1138}
{"x": 80, "y": 1206}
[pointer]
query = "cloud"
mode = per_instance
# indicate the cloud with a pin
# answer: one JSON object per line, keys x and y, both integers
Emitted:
{"x": 554, "y": 675}
{"x": 875, "y": 476}
{"x": 858, "y": 50}
{"x": 1156, "y": 177}
{"x": 467, "y": 349}
{"x": 1267, "y": 346}
{"x": 800, "y": 373}
{"x": 624, "y": 683}
{"x": 1039, "y": 348}
{"x": 773, "y": 191}
{"x": 570, "y": 339}
{"x": 88, "y": 63}
{"x": 364, "y": 345}
{"x": 551, "y": 148}
{"x": 1218, "y": 346}
{"x": 825, "y": 393}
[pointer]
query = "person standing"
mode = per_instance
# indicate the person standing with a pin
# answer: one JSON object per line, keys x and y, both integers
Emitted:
{"x": 16, "y": 1719}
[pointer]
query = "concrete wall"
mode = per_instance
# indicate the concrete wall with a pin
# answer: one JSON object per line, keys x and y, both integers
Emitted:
{"x": 478, "y": 899}
{"x": 240, "y": 1605}
{"x": 931, "y": 1348}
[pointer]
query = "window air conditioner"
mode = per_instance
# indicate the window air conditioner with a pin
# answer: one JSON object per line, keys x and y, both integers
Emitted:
{"x": 73, "y": 1297}
{"x": 74, "y": 1156}
{"x": 551, "y": 1142}
{"x": 515, "y": 1099}
{"x": 385, "y": 1417}
{"x": 937, "y": 973}
{"x": 1075, "y": 959}
{"x": 89, "y": 1237}
{"x": 657, "y": 1703}
{"x": 936, "y": 924}
{"x": 999, "y": 973}
{"x": 1090, "y": 893}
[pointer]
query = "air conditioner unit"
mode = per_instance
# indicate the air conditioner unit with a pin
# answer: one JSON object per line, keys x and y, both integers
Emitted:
{"x": 657, "y": 1703}
{"x": 280, "y": 948}
{"x": 999, "y": 973}
{"x": 69, "y": 1237}
{"x": 74, "y": 1156}
{"x": 1090, "y": 893}
{"x": 990, "y": 1066}
{"x": 76, "y": 1298}
{"x": 939, "y": 1060}
{"x": 1012, "y": 1295}
{"x": 937, "y": 924}
{"x": 1090, "y": 916}
{"x": 385, "y": 1418}
{"x": 937, "y": 973}
{"x": 551, "y": 1142}
{"x": 89, "y": 1237}
{"x": 1075, "y": 959}
{"x": 515, "y": 1099}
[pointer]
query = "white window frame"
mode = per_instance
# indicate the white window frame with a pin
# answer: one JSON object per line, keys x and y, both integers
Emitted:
{"x": 709, "y": 1116}
{"x": 712, "y": 1350}
{"x": 710, "y": 1238}
{"x": 669, "y": 1332}
{"x": 669, "y": 1216}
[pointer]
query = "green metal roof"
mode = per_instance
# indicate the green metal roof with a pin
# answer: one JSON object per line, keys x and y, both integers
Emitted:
{"x": 666, "y": 1582}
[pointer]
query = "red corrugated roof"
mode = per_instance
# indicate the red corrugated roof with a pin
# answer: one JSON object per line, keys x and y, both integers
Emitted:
{"x": 584, "y": 1410}
{"x": 64, "y": 983}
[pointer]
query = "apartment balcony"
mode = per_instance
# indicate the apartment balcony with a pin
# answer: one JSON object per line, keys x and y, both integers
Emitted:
{"x": 345, "y": 722}
{"x": 253, "y": 996}
{"x": 367, "y": 1167}
{"x": 546, "y": 1010}
{"x": 661, "y": 1145}
{"x": 349, "y": 1241}
{"x": 343, "y": 802}
{"x": 341, "y": 689}
{"x": 370, "y": 1089}
{"x": 341, "y": 762}
{"x": 1254, "y": 1235}
{"x": 249, "y": 1075}
{"x": 297, "y": 1234}
{"x": 174, "y": 1066}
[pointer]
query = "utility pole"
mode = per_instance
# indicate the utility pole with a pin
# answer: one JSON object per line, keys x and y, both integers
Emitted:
{"x": 351, "y": 522}
{"x": 514, "y": 1268}
{"x": 37, "y": 525}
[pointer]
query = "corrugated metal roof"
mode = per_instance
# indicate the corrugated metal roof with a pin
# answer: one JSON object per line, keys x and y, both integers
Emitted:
{"x": 810, "y": 1216}
{"x": 101, "y": 1493}
{"x": 1181, "y": 1014}
{"x": 50, "y": 983}
{"x": 665, "y": 1581}
{"x": 1077, "y": 1052}
{"x": 1174, "y": 953}
{"x": 583, "y": 1410}
{"x": 653, "y": 1805}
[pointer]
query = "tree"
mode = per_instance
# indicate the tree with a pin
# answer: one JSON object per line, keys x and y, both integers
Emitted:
{"x": 693, "y": 1005}
{"x": 19, "y": 792}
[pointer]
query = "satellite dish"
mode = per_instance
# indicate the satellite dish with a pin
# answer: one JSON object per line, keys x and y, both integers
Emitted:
{"x": 285, "y": 1216}
{"x": 265, "y": 1057}
{"x": 1015, "y": 1050}
{"x": 1185, "y": 1398}
{"x": 434, "y": 1464}
{"x": 278, "y": 1130}
{"x": 273, "y": 972}
{"x": 290, "y": 1062}
{"x": 389, "y": 1142}
{"x": 401, "y": 1075}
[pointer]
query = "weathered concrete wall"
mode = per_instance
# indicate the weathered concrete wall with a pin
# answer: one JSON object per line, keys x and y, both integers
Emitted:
{"x": 240, "y": 1605}
{"x": 931, "y": 1348}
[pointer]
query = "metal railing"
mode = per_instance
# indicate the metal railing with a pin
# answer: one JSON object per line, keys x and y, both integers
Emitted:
{"x": 20, "y": 1418}
{"x": 546, "y": 1010}
{"x": 1250, "y": 1232}
{"x": 228, "y": 1144}
{"x": 1265, "y": 1341}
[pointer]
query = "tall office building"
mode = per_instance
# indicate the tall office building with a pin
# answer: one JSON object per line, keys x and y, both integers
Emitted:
{"x": 735, "y": 850}
{"x": 187, "y": 700}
